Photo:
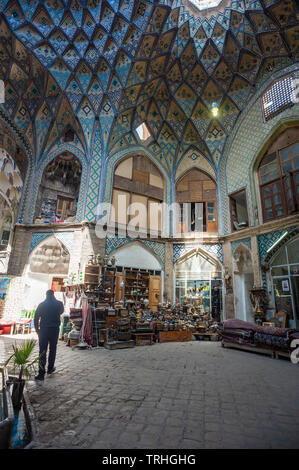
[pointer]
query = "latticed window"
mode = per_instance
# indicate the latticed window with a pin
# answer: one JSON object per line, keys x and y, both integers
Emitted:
{"x": 278, "y": 97}
{"x": 279, "y": 182}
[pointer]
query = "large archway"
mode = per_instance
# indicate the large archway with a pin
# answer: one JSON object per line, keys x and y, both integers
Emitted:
{"x": 47, "y": 267}
{"x": 11, "y": 186}
{"x": 140, "y": 274}
{"x": 138, "y": 193}
{"x": 198, "y": 276}
{"x": 59, "y": 190}
{"x": 196, "y": 196}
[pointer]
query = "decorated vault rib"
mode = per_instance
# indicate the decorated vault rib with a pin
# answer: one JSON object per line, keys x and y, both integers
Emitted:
{"x": 33, "y": 99}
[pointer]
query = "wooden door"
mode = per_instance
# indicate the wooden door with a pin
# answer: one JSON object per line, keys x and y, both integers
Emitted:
{"x": 63, "y": 207}
{"x": 118, "y": 288}
{"x": 154, "y": 292}
{"x": 211, "y": 217}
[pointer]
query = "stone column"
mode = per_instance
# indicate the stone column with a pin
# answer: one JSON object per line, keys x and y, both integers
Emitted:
{"x": 75, "y": 254}
{"x": 229, "y": 306}
{"x": 20, "y": 251}
{"x": 257, "y": 275}
{"x": 91, "y": 244}
{"x": 169, "y": 272}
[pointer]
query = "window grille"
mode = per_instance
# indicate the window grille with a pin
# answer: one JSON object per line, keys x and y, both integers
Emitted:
{"x": 278, "y": 97}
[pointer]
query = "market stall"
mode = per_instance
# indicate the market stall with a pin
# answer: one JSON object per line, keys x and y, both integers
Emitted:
{"x": 112, "y": 308}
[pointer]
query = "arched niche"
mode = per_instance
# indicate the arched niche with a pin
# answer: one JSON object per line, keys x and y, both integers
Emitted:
{"x": 47, "y": 266}
{"x": 243, "y": 282}
{"x": 138, "y": 191}
{"x": 11, "y": 187}
{"x": 136, "y": 255}
{"x": 6, "y": 223}
{"x": 276, "y": 174}
{"x": 59, "y": 189}
{"x": 11, "y": 183}
{"x": 198, "y": 273}
{"x": 196, "y": 198}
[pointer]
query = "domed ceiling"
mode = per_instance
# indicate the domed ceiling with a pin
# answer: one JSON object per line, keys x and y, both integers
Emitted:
{"x": 163, "y": 63}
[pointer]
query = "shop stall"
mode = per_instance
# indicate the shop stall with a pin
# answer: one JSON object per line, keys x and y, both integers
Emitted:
{"x": 119, "y": 307}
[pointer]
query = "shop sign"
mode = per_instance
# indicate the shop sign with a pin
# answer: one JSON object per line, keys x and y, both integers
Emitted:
{"x": 285, "y": 285}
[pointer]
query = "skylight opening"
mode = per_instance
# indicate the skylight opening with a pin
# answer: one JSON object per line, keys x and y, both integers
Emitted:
{"x": 143, "y": 132}
{"x": 205, "y": 4}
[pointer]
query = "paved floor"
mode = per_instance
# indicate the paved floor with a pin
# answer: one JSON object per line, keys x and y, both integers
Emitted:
{"x": 192, "y": 395}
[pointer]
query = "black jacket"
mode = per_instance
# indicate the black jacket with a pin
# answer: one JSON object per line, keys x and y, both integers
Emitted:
{"x": 49, "y": 313}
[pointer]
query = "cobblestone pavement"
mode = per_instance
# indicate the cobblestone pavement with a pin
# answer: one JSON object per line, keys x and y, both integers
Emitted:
{"x": 192, "y": 395}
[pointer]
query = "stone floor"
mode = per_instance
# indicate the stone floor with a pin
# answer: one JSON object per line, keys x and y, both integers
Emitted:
{"x": 192, "y": 395}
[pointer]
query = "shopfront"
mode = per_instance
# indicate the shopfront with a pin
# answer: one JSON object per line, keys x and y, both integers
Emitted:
{"x": 285, "y": 282}
{"x": 199, "y": 280}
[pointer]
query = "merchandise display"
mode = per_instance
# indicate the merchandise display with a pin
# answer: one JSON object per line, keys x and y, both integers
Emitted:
{"x": 122, "y": 314}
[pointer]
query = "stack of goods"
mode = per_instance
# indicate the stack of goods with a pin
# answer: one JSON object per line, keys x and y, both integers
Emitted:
{"x": 99, "y": 325}
{"x": 76, "y": 321}
{"x": 250, "y": 335}
{"x": 144, "y": 324}
{"x": 123, "y": 329}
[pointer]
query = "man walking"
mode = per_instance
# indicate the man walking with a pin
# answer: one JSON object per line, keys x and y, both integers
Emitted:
{"x": 46, "y": 324}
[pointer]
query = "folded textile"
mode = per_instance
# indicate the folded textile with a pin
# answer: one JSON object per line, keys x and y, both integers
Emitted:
{"x": 245, "y": 333}
{"x": 276, "y": 342}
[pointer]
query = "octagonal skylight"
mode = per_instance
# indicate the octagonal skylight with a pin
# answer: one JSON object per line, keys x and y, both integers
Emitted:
{"x": 205, "y": 4}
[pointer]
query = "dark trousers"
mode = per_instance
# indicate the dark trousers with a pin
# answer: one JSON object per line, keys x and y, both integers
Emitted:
{"x": 47, "y": 336}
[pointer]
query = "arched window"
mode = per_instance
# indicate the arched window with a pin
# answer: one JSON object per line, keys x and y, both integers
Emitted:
{"x": 279, "y": 176}
{"x": 11, "y": 186}
{"x": 6, "y": 220}
{"x": 59, "y": 190}
{"x": 138, "y": 193}
{"x": 196, "y": 194}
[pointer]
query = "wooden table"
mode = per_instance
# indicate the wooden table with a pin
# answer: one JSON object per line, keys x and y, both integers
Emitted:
{"x": 175, "y": 336}
{"x": 143, "y": 339}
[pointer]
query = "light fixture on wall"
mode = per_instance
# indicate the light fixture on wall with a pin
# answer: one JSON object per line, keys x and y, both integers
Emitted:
{"x": 215, "y": 109}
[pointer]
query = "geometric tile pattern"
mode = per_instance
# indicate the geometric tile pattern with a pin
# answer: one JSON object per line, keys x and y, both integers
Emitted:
{"x": 266, "y": 240}
{"x": 245, "y": 241}
{"x": 37, "y": 238}
{"x": 182, "y": 248}
{"x": 94, "y": 177}
{"x": 65, "y": 237}
{"x": 112, "y": 243}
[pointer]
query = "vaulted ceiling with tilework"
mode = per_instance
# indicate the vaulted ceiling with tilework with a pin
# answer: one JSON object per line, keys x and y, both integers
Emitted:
{"x": 123, "y": 62}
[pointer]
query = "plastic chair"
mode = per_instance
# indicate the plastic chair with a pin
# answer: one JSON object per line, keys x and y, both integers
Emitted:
{"x": 24, "y": 323}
